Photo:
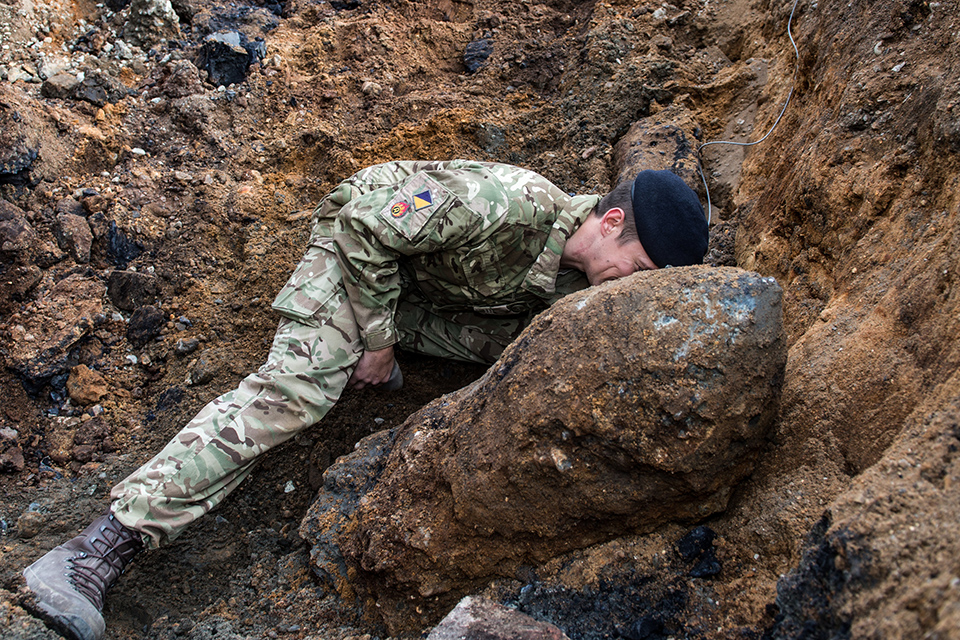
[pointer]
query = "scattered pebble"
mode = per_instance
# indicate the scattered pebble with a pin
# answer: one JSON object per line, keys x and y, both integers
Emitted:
{"x": 30, "y": 523}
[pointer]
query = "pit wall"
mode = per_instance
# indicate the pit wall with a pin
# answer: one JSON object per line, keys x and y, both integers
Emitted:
{"x": 852, "y": 205}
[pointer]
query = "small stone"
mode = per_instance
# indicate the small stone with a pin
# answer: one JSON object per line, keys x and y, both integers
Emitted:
{"x": 84, "y": 452}
{"x": 145, "y": 324}
{"x": 129, "y": 290}
{"x": 474, "y": 618}
{"x": 30, "y": 523}
{"x": 696, "y": 542}
{"x": 86, "y": 386}
{"x": 59, "y": 86}
{"x": 74, "y": 236}
{"x": 186, "y": 346}
{"x": 101, "y": 89}
{"x": 203, "y": 369}
{"x": 11, "y": 460}
{"x": 476, "y": 54}
{"x": 151, "y": 22}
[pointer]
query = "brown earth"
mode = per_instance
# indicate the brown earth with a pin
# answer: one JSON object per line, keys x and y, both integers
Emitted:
{"x": 848, "y": 526}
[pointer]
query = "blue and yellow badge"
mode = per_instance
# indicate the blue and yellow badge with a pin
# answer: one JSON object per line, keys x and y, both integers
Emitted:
{"x": 415, "y": 202}
{"x": 422, "y": 200}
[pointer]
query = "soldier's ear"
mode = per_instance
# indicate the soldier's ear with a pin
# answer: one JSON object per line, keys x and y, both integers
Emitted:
{"x": 612, "y": 221}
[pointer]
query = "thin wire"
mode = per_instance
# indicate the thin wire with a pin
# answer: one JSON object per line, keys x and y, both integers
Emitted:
{"x": 793, "y": 84}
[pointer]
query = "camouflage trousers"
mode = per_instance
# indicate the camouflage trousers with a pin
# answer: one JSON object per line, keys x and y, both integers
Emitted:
{"x": 306, "y": 371}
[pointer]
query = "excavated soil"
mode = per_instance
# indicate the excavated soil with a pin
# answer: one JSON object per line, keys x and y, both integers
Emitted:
{"x": 206, "y": 190}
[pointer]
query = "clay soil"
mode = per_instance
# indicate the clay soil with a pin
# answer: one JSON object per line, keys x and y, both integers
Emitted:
{"x": 851, "y": 204}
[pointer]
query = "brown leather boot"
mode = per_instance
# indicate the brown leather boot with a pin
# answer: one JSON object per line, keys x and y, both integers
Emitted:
{"x": 71, "y": 580}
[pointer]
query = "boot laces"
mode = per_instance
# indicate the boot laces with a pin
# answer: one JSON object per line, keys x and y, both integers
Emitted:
{"x": 109, "y": 550}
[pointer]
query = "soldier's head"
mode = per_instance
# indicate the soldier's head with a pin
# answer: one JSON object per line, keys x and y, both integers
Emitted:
{"x": 664, "y": 214}
{"x": 651, "y": 222}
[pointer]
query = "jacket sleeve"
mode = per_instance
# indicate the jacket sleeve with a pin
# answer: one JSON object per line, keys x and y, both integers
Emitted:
{"x": 373, "y": 232}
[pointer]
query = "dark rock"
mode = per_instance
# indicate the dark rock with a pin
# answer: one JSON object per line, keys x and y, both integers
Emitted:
{"x": 345, "y": 5}
{"x": 178, "y": 79}
{"x": 480, "y": 619}
{"x": 151, "y": 22}
{"x": 40, "y": 348}
{"x": 476, "y": 54}
{"x": 129, "y": 290}
{"x": 69, "y": 206}
{"x": 343, "y": 487}
{"x": 186, "y": 347}
{"x": 186, "y": 9}
{"x": 227, "y": 57}
{"x": 93, "y": 431}
{"x": 697, "y": 547}
{"x": 74, "y": 236}
{"x": 657, "y": 420}
{"x": 145, "y": 324}
{"x": 19, "y": 140}
{"x": 60, "y": 86}
{"x": 121, "y": 249}
{"x": 91, "y": 41}
{"x": 100, "y": 89}
{"x": 707, "y": 567}
{"x": 696, "y": 543}
{"x": 11, "y": 460}
{"x": 203, "y": 369}
{"x": 117, "y": 5}
{"x": 631, "y": 600}
{"x": 17, "y": 237}
{"x": 84, "y": 452}
{"x": 812, "y": 594}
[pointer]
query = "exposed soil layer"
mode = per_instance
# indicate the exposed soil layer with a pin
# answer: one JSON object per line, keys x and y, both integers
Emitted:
{"x": 138, "y": 161}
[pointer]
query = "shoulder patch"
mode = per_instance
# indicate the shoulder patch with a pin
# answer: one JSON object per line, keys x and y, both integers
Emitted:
{"x": 399, "y": 209}
{"x": 416, "y": 200}
{"x": 422, "y": 200}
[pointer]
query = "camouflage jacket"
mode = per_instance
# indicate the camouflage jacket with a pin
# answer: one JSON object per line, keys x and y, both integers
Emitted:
{"x": 470, "y": 236}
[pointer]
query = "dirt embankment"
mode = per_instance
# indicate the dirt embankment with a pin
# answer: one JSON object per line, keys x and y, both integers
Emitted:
{"x": 851, "y": 204}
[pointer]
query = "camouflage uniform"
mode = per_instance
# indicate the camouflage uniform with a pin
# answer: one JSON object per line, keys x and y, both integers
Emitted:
{"x": 445, "y": 258}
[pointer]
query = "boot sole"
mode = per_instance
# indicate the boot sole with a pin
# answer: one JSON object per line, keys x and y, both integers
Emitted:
{"x": 67, "y": 615}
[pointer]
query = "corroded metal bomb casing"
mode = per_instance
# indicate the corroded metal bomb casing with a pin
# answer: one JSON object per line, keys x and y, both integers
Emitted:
{"x": 620, "y": 408}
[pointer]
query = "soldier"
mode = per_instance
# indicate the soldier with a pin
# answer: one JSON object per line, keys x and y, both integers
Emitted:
{"x": 449, "y": 259}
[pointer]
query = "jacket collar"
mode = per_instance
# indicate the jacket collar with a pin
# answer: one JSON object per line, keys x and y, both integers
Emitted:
{"x": 541, "y": 279}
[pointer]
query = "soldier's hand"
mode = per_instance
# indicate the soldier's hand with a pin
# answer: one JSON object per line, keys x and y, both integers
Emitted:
{"x": 374, "y": 368}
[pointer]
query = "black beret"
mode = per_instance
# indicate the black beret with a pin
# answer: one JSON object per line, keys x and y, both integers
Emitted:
{"x": 670, "y": 220}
